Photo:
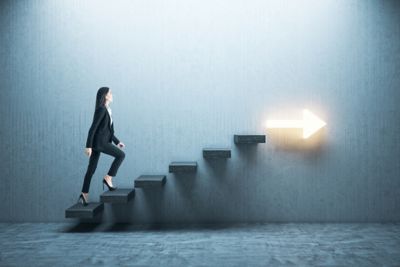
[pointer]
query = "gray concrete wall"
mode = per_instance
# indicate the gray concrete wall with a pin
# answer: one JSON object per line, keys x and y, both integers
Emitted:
{"x": 188, "y": 75}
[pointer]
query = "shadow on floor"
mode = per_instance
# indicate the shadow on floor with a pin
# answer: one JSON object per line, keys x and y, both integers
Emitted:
{"x": 84, "y": 227}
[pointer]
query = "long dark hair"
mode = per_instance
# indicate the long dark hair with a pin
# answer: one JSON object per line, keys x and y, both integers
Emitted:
{"x": 101, "y": 97}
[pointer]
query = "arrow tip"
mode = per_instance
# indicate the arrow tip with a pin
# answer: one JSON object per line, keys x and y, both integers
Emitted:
{"x": 311, "y": 123}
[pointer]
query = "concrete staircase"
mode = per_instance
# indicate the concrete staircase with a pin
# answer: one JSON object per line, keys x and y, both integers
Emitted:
{"x": 144, "y": 181}
{"x": 124, "y": 195}
{"x": 215, "y": 153}
{"x": 182, "y": 166}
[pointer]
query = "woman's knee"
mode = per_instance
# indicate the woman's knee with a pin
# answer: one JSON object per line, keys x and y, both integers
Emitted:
{"x": 122, "y": 155}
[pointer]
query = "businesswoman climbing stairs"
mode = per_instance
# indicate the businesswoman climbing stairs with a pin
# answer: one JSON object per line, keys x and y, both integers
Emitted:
{"x": 100, "y": 136}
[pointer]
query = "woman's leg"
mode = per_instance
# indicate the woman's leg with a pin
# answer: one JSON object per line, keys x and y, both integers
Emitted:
{"x": 116, "y": 152}
{"x": 93, "y": 160}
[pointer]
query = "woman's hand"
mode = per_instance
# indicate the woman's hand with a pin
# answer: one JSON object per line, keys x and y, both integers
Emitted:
{"x": 88, "y": 151}
{"x": 121, "y": 145}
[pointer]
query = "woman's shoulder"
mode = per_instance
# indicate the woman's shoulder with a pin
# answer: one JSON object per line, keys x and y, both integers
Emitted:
{"x": 99, "y": 108}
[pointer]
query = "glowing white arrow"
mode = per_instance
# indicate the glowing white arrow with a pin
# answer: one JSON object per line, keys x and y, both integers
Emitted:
{"x": 310, "y": 123}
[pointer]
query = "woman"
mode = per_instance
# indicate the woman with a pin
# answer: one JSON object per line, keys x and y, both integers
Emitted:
{"x": 100, "y": 135}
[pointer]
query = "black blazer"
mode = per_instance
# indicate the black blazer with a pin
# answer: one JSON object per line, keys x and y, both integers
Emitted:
{"x": 100, "y": 131}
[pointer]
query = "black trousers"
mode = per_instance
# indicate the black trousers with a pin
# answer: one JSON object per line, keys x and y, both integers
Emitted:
{"x": 107, "y": 148}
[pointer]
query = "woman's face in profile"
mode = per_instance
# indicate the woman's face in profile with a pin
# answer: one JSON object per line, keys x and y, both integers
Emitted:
{"x": 109, "y": 96}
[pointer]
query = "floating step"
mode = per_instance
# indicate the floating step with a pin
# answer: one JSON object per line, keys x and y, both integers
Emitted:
{"x": 183, "y": 166}
{"x": 122, "y": 195}
{"x": 80, "y": 211}
{"x": 249, "y": 139}
{"x": 150, "y": 181}
{"x": 216, "y": 153}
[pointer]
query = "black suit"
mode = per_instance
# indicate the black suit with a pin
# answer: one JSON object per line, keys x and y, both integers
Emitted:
{"x": 101, "y": 131}
{"x": 100, "y": 135}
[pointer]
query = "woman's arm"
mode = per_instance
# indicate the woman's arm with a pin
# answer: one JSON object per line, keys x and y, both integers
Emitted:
{"x": 115, "y": 139}
{"x": 98, "y": 116}
{"x": 117, "y": 142}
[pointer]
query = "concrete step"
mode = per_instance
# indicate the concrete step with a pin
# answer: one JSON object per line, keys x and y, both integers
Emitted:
{"x": 150, "y": 181}
{"x": 120, "y": 195}
{"x": 183, "y": 166}
{"x": 248, "y": 139}
{"x": 80, "y": 211}
{"x": 216, "y": 153}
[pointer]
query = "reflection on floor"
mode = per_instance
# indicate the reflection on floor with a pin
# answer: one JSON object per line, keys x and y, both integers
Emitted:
{"x": 55, "y": 244}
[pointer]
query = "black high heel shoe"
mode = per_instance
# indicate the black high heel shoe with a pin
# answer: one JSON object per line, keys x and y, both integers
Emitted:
{"x": 109, "y": 187}
{"x": 84, "y": 202}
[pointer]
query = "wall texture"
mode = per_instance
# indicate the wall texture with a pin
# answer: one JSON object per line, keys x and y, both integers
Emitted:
{"x": 191, "y": 74}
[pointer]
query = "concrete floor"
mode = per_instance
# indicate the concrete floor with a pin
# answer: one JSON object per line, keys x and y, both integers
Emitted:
{"x": 55, "y": 244}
